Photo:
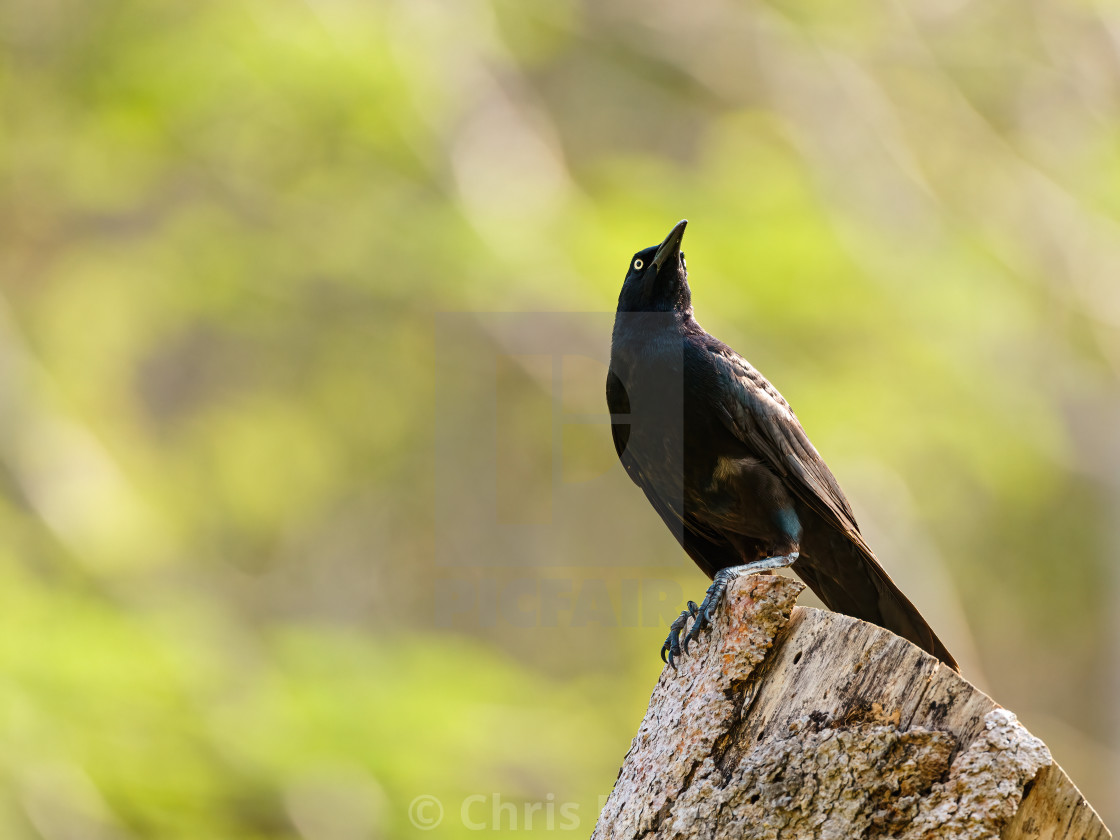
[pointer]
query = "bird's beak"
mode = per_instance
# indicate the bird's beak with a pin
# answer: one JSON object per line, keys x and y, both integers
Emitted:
{"x": 669, "y": 250}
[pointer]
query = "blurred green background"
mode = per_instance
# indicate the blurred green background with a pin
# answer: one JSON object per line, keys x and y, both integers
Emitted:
{"x": 227, "y": 228}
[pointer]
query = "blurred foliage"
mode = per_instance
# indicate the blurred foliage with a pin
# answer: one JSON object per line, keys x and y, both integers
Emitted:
{"x": 226, "y": 229}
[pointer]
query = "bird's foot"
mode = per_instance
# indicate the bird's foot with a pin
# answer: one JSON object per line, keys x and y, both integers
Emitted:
{"x": 672, "y": 644}
{"x": 702, "y": 616}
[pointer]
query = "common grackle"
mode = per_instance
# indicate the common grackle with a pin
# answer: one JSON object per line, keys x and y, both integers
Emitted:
{"x": 724, "y": 461}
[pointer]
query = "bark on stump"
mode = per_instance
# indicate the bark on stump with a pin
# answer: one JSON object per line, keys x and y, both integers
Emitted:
{"x": 791, "y": 722}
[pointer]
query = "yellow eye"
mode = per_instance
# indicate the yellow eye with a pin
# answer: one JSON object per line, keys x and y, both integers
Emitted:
{"x": 638, "y": 264}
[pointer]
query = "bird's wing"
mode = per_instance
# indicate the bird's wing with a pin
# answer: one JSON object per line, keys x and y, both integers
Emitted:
{"x": 851, "y": 582}
{"x": 753, "y": 410}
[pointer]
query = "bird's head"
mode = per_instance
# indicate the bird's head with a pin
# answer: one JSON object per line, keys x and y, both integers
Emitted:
{"x": 656, "y": 280}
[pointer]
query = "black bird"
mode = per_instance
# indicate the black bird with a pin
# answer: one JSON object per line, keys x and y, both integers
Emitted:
{"x": 724, "y": 461}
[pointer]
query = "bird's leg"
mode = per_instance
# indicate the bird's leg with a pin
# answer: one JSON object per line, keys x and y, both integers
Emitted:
{"x": 715, "y": 592}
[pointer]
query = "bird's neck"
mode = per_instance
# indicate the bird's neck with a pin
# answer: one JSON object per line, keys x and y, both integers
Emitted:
{"x": 641, "y": 337}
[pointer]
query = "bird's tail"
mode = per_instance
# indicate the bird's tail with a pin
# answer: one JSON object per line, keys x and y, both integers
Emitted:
{"x": 850, "y": 580}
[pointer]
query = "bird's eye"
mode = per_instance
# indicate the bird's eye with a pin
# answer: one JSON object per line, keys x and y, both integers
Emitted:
{"x": 638, "y": 264}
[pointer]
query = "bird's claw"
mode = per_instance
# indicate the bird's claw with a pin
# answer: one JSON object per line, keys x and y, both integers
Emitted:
{"x": 702, "y": 617}
{"x": 672, "y": 644}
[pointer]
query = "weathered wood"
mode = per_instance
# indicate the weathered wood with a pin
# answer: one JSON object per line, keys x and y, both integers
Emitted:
{"x": 796, "y": 723}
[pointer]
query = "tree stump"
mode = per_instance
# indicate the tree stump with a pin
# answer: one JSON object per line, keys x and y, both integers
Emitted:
{"x": 793, "y": 722}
